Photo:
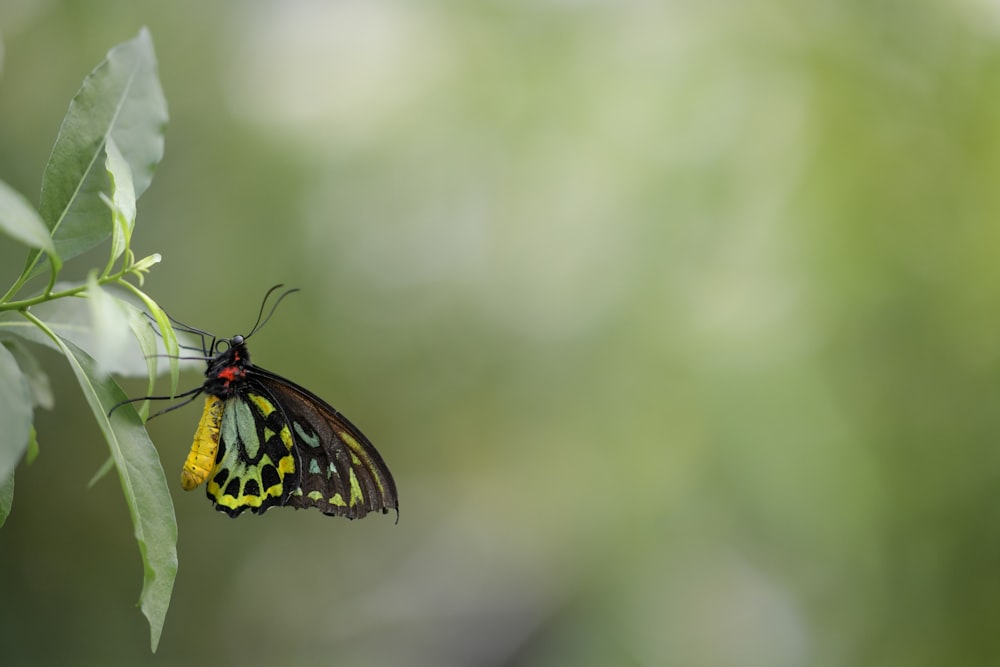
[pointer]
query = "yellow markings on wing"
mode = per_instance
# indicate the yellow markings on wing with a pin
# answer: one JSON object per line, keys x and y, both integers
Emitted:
{"x": 357, "y": 454}
{"x": 356, "y": 495}
{"x": 286, "y": 438}
{"x": 264, "y": 405}
{"x": 201, "y": 458}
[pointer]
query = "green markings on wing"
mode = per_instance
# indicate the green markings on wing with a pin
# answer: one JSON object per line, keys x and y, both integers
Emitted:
{"x": 322, "y": 483}
{"x": 323, "y": 477}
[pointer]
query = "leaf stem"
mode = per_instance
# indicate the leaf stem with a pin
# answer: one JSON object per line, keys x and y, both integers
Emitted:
{"x": 41, "y": 325}
{"x": 49, "y": 295}
{"x": 15, "y": 288}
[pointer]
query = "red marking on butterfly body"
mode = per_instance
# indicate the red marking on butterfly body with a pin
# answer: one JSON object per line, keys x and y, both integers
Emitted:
{"x": 230, "y": 373}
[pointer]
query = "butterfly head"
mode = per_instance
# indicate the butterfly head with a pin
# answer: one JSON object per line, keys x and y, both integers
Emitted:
{"x": 228, "y": 367}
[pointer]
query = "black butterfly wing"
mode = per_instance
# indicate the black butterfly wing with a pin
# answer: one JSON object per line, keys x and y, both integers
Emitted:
{"x": 337, "y": 469}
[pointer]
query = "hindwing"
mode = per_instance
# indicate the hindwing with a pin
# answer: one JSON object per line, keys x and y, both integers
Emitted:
{"x": 255, "y": 463}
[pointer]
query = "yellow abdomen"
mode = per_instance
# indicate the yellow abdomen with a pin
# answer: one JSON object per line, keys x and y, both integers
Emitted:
{"x": 201, "y": 458}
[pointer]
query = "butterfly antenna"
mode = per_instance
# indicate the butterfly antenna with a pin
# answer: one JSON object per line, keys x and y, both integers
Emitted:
{"x": 261, "y": 320}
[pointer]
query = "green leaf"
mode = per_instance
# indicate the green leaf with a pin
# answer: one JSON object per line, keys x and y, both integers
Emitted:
{"x": 148, "y": 343}
{"x": 15, "y": 413}
{"x": 122, "y": 200}
{"x": 167, "y": 332}
{"x": 121, "y": 99}
{"x": 143, "y": 482}
{"x": 20, "y": 220}
{"x": 110, "y": 326}
{"x": 106, "y": 467}
{"x": 6, "y": 497}
{"x": 32, "y": 447}
{"x": 140, "y": 268}
{"x": 38, "y": 381}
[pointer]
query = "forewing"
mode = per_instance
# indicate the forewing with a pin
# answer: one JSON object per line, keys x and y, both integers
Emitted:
{"x": 340, "y": 472}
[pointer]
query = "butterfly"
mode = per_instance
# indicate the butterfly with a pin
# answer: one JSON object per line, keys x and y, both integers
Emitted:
{"x": 265, "y": 441}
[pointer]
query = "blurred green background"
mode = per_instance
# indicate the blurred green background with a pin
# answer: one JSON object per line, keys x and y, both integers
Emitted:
{"x": 676, "y": 322}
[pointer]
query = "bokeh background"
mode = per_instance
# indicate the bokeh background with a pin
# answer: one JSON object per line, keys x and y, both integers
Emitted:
{"x": 677, "y": 323}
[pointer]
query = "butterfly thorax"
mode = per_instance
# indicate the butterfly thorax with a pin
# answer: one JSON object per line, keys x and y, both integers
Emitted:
{"x": 227, "y": 369}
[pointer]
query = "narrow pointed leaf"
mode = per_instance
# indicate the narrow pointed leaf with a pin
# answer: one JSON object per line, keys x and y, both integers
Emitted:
{"x": 142, "y": 480}
{"x": 167, "y": 333}
{"x": 32, "y": 447}
{"x": 148, "y": 343}
{"x": 122, "y": 198}
{"x": 106, "y": 467}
